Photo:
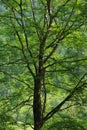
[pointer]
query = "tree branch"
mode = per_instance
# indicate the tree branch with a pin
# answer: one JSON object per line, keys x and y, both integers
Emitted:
{"x": 57, "y": 108}
{"x": 20, "y": 80}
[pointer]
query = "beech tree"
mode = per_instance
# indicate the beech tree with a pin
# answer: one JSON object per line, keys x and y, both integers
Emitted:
{"x": 43, "y": 59}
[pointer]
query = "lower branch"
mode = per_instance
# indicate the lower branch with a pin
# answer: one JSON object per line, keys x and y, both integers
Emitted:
{"x": 79, "y": 85}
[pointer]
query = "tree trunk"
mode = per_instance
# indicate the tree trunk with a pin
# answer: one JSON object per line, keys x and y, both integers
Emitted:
{"x": 37, "y": 108}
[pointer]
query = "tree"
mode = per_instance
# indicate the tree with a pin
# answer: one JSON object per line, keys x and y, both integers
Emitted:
{"x": 41, "y": 51}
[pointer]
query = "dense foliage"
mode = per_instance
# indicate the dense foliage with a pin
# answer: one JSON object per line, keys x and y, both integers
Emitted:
{"x": 43, "y": 65}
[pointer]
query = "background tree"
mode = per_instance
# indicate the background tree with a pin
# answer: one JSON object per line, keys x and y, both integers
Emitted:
{"x": 43, "y": 62}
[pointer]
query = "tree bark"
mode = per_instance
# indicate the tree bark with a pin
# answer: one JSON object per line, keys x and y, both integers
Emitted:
{"x": 37, "y": 107}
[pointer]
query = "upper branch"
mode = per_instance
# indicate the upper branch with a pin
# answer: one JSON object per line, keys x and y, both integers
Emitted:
{"x": 25, "y": 34}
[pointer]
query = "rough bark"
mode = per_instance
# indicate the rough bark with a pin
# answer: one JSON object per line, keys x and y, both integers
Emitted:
{"x": 37, "y": 108}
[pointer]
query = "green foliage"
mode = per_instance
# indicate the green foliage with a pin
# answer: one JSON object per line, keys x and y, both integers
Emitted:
{"x": 31, "y": 35}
